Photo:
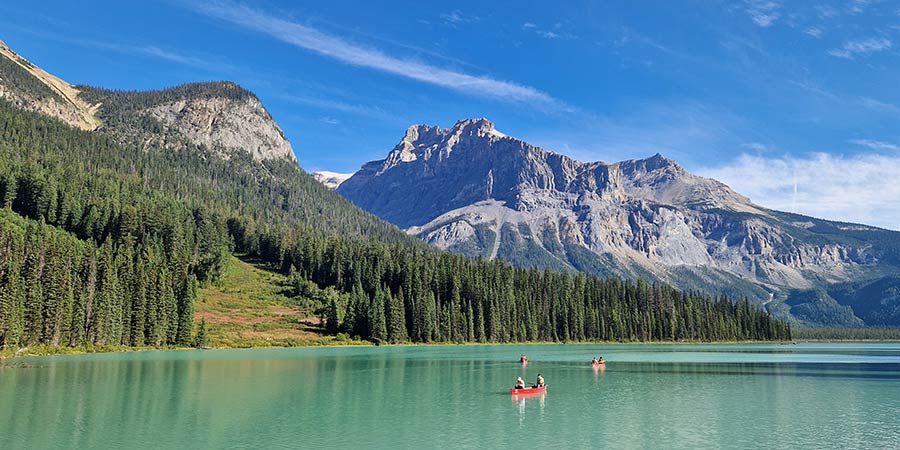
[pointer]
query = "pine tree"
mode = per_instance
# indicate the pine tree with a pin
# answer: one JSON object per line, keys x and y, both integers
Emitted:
{"x": 397, "y": 318}
{"x": 201, "y": 338}
{"x": 186, "y": 313}
{"x": 377, "y": 318}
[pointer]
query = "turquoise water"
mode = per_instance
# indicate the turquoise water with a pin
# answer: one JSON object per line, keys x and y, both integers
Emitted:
{"x": 647, "y": 396}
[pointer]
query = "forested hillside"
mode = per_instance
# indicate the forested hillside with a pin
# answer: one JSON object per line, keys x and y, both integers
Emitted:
{"x": 104, "y": 243}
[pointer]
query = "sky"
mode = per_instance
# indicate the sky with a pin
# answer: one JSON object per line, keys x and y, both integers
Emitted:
{"x": 793, "y": 104}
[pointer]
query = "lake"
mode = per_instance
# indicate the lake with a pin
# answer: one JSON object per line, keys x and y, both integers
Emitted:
{"x": 648, "y": 396}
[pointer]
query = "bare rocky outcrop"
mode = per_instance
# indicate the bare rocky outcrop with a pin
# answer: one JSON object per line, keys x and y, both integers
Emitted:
{"x": 48, "y": 94}
{"x": 225, "y": 123}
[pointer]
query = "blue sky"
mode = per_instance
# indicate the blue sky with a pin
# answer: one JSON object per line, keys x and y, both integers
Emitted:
{"x": 793, "y": 104}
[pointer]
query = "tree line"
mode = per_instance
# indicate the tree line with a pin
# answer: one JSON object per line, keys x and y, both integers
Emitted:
{"x": 394, "y": 293}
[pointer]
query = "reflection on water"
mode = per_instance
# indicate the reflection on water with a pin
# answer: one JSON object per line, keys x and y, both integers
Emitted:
{"x": 817, "y": 396}
{"x": 519, "y": 401}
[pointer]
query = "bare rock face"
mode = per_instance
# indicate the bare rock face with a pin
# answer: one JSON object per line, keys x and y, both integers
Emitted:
{"x": 217, "y": 122}
{"x": 31, "y": 88}
{"x": 474, "y": 190}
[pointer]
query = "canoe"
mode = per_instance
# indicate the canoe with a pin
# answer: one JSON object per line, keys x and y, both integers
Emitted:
{"x": 598, "y": 364}
{"x": 529, "y": 390}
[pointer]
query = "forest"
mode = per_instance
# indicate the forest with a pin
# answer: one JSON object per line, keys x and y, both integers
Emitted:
{"x": 104, "y": 242}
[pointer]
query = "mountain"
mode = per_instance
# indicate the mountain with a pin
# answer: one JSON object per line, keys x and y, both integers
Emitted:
{"x": 331, "y": 180}
{"x": 109, "y": 231}
{"x": 473, "y": 190}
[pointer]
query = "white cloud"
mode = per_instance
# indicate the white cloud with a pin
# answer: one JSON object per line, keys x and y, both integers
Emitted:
{"x": 876, "y": 145}
{"x": 877, "y": 105}
{"x": 861, "y": 47}
{"x": 756, "y": 146}
{"x": 860, "y": 189}
{"x": 764, "y": 13}
{"x": 369, "y": 111}
{"x": 547, "y": 34}
{"x": 815, "y": 32}
{"x": 457, "y": 17}
{"x": 329, "y": 120}
{"x": 558, "y": 31}
{"x": 334, "y": 47}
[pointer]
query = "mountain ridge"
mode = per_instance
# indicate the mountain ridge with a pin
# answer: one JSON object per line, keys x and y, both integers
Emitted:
{"x": 476, "y": 191}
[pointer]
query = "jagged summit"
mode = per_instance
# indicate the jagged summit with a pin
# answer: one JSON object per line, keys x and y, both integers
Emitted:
{"x": 472, "y": 161}
{"x": 473, "y": 190}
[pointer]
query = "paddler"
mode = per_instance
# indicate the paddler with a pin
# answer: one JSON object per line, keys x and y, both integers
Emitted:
{"x": 520, "y": 383}
{"x": 540, "y": 381}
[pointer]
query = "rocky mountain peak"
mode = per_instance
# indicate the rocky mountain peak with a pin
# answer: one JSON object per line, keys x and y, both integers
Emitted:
{"x": 473, "y": 190}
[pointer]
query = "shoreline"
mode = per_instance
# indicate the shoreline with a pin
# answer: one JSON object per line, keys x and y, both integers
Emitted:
{"x": 43, "y": 351}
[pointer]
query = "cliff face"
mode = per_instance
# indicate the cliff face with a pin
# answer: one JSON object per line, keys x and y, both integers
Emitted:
{"x": 217, "y": 122}
{"x": 474, "y": 190}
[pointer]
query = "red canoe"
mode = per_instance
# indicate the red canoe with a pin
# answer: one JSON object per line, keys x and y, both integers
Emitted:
{"x": 529, "y": 390}
{"x": 598, "y": 364}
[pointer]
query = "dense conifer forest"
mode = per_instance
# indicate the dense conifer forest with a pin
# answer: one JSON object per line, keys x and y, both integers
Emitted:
{"x": 103, "y": 241}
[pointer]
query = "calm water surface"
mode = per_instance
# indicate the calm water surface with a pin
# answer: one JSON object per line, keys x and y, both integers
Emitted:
{"x": 648, "y": 396}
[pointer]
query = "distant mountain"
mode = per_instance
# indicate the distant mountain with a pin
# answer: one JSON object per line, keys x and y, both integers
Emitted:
{"x": 331, "y": 180}
{"x": 473, "y": 190}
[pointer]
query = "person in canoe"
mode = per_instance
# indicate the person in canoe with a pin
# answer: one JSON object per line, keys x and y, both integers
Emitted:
{"x": 540, "y": 381}
{"x": 523, "y": 359}
{"x": 520, "y": 383}
{"x": 594, "y": 361}
{"x": 601, "y": 360}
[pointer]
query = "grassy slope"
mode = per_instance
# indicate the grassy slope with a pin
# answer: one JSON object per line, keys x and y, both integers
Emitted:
{"x": 251, "y": 307}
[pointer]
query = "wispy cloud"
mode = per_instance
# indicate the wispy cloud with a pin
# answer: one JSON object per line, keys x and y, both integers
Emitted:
{"x": 457, "y": 17}
{"x": 349, "y": 108}
{"x": 861, "y": 47}
{"x": 127, "y": 48}
{"x": 764, "y": 13}
{"x": 558, "y": 31}
{"x": 756, "y": 146}
{"x": 858, "y": 6}
{"x": 860, "y": 188}
{"x": 877, "y": 105}
{"x": 329, "y": 120}
{"x": 815, "y": 32}
{"x": 547, "y": 34}
{"x": 876, "y": 145}
{"x": 308, "y": 38}
{"x": 680, "y": 130}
